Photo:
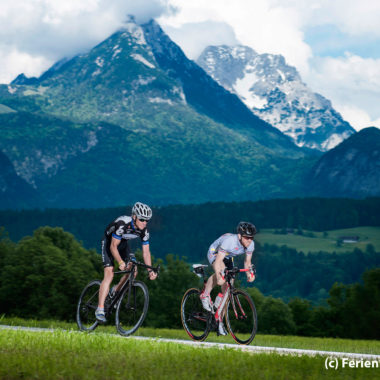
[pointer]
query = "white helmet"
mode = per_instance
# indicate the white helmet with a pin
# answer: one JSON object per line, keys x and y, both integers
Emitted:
{"x": 142, "y": 211}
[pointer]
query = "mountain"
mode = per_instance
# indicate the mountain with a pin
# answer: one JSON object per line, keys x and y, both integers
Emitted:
{"x": 351, "y": 169}
{"x": 14, "y": 191}
{"x": 133, "y": 118}
{"x": 274, "y": 91}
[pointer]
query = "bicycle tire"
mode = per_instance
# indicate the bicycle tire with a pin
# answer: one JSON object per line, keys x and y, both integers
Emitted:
{"x": 87, "y": 304}
{"x": 195, "y": 319}
{"x": 132, "y": 308}
{"x": 241, "y": 317}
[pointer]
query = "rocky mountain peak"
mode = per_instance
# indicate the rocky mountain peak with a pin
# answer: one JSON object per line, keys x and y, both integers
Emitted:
{"x": 274, "y": 91}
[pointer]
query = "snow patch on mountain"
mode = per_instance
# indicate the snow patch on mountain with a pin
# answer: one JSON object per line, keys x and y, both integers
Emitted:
{"x": 136, "y": 32}
{"x": 274, "y": 91}
{"x": 140, "y": 58}
{"x": 160, "y": 100}
{"x": 99, "y": 61}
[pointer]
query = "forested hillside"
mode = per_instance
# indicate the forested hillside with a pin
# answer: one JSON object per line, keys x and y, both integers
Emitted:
{"x": 187, "y": 231}
{"x": 42, "y": 276}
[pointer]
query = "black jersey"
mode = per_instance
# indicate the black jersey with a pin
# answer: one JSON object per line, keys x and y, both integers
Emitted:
{"x": 124, "y": 228}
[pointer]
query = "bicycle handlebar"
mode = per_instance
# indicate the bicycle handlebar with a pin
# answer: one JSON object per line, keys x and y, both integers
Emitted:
{"x": 138, "y": 263}
{"x": 235, "y": 270}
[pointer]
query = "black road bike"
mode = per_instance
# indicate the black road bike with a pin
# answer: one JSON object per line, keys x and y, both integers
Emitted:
{"x": 130, "y": 302}
{"x": 237, "y": 306}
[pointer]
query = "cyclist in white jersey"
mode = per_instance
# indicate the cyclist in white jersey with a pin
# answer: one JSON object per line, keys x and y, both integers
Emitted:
{"x": 220, "y": 255}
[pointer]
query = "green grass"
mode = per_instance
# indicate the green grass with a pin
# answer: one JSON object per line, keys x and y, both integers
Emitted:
{"x": 307, "y": 343}
{"x": 367, "y": 235}
{"x": 69, "y": 355}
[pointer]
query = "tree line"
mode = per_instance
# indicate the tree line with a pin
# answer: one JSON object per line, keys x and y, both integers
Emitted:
{"x": 286, "y": 273}
{"x": 43, "y": 275}
{"x": 188, "y": 230}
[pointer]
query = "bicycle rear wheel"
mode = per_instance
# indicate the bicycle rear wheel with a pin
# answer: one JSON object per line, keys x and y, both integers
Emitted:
{"x": 132, "y": 308}
{"x": 195, "y": 319}
{"x": 87, "y": 304}
{"x": 241, "y": 317}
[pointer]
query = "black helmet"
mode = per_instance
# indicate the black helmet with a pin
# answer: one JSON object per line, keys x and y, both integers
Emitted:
{"x": 246, "y": 229}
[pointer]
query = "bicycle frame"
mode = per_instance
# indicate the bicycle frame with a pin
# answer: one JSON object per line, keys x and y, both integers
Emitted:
{"x": 236, "y": 307}
{"x": 128, "y": 283}
{"x": 229, "y": 275}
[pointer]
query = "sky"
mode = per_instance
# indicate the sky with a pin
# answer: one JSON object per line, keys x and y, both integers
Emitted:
{"x": 334, "y": 44}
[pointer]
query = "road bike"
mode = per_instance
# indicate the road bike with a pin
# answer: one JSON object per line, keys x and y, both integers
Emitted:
{"x": 237, "y": 307}
{"x": 130, "y": 302}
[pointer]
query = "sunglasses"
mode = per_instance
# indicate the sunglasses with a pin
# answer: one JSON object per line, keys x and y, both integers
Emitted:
{"x": 248, "y": 237}
{"x": 142, "y": 220}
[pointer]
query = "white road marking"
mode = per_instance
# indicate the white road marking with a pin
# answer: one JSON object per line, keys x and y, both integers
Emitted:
{"x": 253, "y": 349}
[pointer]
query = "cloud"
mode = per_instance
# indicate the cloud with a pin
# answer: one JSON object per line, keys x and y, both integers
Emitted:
{"x": 218, "y": 33}
{"x": 256, "y": 23}
{"x": 352, "y": 83}
{"x": 36, "y": 33}
{"x": 289, "y": 28}
{"x": 358, "y": 117}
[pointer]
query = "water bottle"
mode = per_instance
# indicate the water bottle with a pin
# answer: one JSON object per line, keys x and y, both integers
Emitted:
{"x": 218, "y": 300}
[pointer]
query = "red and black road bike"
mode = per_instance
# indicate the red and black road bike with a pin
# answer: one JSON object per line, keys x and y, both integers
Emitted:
{"x": 236, "y": 307}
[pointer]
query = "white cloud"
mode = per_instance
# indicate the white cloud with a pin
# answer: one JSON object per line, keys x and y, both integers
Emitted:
{"x": 40, "y": 32}
{"x": 218, "y": 33}
{"x": 35, "y": 34}
{"x": 350, "y": 16}
{"x": 256, "y": 23}
{"x": 15, "y": 62}
{"x": 358, "y": 118}
{"x": 353, "y": 85}
{"x": 278, "y": 27}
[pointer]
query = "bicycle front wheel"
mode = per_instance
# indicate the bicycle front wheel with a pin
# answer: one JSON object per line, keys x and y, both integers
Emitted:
{"x": 87, "y": 304}
{"x": 241, "y": 318}
{"x": 132, "y": 308}
{"x": 195, "y": 319}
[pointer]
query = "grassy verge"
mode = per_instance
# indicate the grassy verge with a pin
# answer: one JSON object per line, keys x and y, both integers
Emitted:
{"x": 307, "y": 343}
{"x": 67, "y": 355}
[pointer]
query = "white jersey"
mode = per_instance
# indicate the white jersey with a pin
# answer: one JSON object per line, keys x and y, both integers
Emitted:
{"x": 230, "y": 245}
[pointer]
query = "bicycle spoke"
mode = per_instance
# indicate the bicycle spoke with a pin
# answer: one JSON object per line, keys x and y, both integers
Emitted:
{"x": 241, "y": 317}
{"x": 132, "y": 308}
{"x": 88, "y": 302}
{"x": 194, "y": 317}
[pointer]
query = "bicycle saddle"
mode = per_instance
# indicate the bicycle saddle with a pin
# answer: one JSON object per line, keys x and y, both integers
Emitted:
{"x": 198, "y": 269}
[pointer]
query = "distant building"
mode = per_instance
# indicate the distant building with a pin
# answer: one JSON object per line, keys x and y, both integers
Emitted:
{"x": 349, "y": 239}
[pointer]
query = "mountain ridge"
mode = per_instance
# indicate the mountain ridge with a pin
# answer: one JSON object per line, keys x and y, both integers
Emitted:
{"x": 274, "y": 91}
{"x": 128, "y": 112}
{"x": 133, "y": 118}
{"x": 340, "y": 170}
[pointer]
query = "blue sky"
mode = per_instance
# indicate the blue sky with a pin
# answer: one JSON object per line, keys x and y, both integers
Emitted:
{"x": 329, "y": 41}
{"x": 334, "y": 44}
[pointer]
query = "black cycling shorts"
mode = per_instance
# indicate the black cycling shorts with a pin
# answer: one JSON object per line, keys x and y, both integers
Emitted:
{"x": 107, "y": 257}
{"x": 228, "y": 262}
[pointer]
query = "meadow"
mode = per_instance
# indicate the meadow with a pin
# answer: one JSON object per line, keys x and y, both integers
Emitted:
{"x": 314, "y": 241}
{"x": 371, "y": 347}
{"x": 69, "y": 355}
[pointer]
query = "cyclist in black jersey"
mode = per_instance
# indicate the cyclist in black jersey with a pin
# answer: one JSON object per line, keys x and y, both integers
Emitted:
{"x": 115, "y": 247}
